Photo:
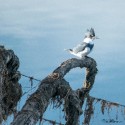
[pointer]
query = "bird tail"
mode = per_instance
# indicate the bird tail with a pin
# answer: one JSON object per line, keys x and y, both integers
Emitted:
{"x": 69, "y": 50}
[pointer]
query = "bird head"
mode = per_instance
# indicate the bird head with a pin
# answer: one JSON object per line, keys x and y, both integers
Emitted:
{"x": 91, "y": 34}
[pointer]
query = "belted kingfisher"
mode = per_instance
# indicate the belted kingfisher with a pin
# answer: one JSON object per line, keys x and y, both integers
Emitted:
{"x": 83, "y": 49}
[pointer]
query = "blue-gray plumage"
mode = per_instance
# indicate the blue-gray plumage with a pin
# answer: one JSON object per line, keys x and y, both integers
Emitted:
{"x": 90, "y": 46}
{"x": 83, "y": 49}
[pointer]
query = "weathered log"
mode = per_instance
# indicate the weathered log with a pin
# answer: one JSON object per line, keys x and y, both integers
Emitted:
{"x": 54, "y": 85}
{"x": 10, "y": 89}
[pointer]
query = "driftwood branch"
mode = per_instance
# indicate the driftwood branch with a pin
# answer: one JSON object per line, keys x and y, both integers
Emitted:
{"x": 55, "y": 86}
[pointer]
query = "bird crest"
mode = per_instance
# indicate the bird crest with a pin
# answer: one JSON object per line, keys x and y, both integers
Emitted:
{"x": 90, "y": 32}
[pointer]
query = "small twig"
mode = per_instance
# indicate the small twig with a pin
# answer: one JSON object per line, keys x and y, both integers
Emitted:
{"x": 51, "y": 121}
{"x": 114, "y": 103}
{"x": 30, "y": 77}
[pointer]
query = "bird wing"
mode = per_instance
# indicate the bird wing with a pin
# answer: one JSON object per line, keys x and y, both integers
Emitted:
{"x": 80, "y": 47}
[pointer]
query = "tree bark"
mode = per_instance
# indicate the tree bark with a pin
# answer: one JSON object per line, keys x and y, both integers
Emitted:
{"x": 54, "y": 86}
{"x": 10, "y": 89}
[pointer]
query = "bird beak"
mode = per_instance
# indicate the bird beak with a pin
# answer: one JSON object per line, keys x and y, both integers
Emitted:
{"x": 97, "y": 37}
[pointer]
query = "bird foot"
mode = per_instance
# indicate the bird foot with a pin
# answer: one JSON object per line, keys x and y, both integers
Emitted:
{"x": 83, "y": 57}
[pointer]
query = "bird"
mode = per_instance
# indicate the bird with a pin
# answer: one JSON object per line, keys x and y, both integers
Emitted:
{"x": 84, "y": 48}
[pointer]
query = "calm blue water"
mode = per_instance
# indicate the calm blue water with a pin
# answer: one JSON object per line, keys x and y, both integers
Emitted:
{"x": 38, "y": 31}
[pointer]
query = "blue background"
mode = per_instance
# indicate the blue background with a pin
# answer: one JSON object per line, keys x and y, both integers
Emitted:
{"x": 38, "y": 31}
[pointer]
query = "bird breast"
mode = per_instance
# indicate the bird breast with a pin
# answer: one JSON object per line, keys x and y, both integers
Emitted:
{"x": 90, "y": 46}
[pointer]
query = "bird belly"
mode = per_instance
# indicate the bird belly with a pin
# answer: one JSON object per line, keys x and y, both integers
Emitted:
{"x": 83, "y": 53}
